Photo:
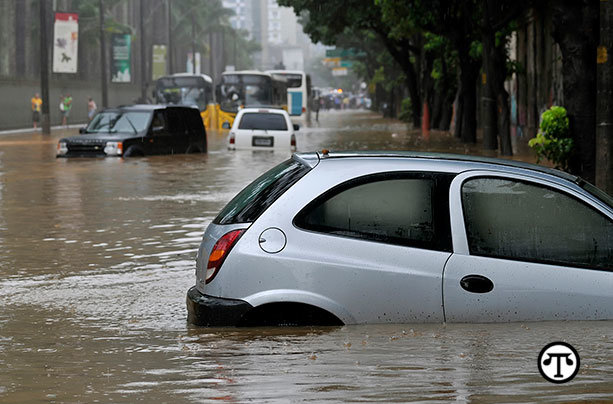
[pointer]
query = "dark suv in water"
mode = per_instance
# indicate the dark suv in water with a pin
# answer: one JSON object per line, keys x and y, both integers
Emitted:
{"x": 138, "y": 130}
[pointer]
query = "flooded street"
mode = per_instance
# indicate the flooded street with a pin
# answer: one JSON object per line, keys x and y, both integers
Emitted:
{"x": 96, "y": 257}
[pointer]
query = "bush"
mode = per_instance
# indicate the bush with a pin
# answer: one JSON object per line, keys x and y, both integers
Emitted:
{"x": 552, "y": 141}
{"x": 406, "y": 110}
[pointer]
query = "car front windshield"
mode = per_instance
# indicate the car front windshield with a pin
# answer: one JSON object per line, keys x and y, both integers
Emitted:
{"x": 245, "y": 90}
{"x": 113, "y": 121}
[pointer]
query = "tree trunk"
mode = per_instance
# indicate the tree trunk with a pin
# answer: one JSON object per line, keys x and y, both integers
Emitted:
{"x": 504, "y": 122}
{"x": 412, "y": 86}
{"x": 490, "y": 111}
{"x": 575, "y": 29}
{"x": 604, "y": 131}
{"x": 466, "y": 127}
{"x": 437, "y": 110}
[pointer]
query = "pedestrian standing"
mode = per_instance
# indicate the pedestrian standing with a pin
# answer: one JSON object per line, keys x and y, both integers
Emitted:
{"x": 91, "y": 109}
{"x": 316, "y": 108}
{"x": 37, "y": 103}
{"x": 67, "y": 106}
{"x": 62, "y": 109}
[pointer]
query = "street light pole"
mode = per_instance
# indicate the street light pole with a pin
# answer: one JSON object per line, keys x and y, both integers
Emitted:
{"x": 169, "y": 53}
{"x": 143, "y": 55}
{"x": 103, "y": 69}
{"x": 44, "y": 68}
{"x": 193, "y": 44}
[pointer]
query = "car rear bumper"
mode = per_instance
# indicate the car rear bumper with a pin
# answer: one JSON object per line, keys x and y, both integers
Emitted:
{"x": 214, "y": 311}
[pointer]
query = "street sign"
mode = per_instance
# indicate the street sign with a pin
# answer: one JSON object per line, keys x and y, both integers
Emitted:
{"x": 332, "y": 62}
{"x": 339, "y": 71}
{"x": 346, "y": 63}
{"x": 343, "y": 53}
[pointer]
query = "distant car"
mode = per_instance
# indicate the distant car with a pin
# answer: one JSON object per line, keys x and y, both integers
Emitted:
{"x": 138, "y": 130}
{"x": 344, "y": 238}
{"x": 262, "y": 129}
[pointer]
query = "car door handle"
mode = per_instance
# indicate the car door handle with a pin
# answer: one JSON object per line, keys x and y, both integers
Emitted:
{"x": 476, "y": 284}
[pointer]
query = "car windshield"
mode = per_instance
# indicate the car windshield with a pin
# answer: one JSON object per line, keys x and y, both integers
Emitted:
{"x": 254, "y": 199}
{"x": 244, "y": 90}
{"x": 182, "y": 91}
{"x": 262, "y": 121}
{"x": 113, "y": 121}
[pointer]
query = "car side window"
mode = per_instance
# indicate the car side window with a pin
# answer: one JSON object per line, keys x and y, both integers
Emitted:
{"x": 175, "y": 121}
{"x": 159, "y": 121}
{"x": 394, "y": 208}
{"x": 193, "y": 121}
{"x": 517, "y": 220}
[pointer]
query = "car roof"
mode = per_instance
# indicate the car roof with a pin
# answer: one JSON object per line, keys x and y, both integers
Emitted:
{"x": 255, "y": 72}
{"x": 285, "y": 72}
{"x": 206, "y": 77}
{"x": 472, "y": 162}
{"x": 264, "y": 110}
{"x": 147, "y": 107}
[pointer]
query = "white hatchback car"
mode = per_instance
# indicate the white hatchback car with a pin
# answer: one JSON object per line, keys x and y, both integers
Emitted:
{"x": 346, "y": 238}
{"x": 262, "y": 129}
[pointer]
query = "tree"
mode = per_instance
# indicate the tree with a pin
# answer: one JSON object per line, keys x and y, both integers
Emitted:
{"x": 496, "y": 29}
{"x": 458, "y": 21}
{"x": 575, "y": 29}
{"x": 327, "y": 19}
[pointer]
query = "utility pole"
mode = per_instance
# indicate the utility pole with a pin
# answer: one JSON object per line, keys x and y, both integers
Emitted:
{"x": 223, "y": 50}
{"x": 193, "y": 44}
{"x": 44, "y": 68}
{"x": 235, "y": 62}
{"x": 211, "y": 65}
{"x": 103, "y": 68}
{"x": 604, "y": 102}
{"x": 169, "y": 52}
{"x": 143, "y": 55}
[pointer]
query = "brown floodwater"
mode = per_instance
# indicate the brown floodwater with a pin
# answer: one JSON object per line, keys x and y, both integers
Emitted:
{"x": 96, "y": 256}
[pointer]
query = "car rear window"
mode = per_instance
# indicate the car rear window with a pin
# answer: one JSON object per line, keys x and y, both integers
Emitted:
{"x": 254, "y": 199}
{"x": 263, "y": 121}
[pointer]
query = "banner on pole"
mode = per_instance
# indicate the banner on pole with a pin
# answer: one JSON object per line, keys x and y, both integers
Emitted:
{"x": 159, "y": 61}
{"x": 65, "y": 42}
{"x": 121, "y": 65}
{"x": 189, "y": 68}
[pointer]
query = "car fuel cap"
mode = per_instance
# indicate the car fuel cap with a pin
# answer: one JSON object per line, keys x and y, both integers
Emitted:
{"x": 272, "y": 240}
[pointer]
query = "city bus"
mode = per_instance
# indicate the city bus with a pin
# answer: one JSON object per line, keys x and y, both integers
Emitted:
{"x": 188, "y": 89}
{"x": 249, "y": 88}
{"x": 299, "y": 95}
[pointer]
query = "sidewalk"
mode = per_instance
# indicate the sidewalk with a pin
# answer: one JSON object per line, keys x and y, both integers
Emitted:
{"x": 32, "y": 130}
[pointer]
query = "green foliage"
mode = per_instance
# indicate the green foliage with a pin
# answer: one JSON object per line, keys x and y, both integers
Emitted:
{"x": 552, "y": 141}
{"x": 406, "y": 110}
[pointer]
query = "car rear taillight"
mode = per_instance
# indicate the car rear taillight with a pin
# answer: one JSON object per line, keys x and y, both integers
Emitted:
{"x": 303, "y": 110}
{"x": 232, "y": 138}
{"x": 293, "y": 140}
{"x": 220, "y": 251}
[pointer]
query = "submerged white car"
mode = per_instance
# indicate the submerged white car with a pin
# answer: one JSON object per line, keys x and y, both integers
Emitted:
{"x": 352, "y": 238}
{"x": 262, "y": 129}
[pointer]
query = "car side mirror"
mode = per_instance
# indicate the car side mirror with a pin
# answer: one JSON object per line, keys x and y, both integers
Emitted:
{"x": 296, "y": 126}
{"x": 226, "y": 125}
{"x": 82, "y": 130}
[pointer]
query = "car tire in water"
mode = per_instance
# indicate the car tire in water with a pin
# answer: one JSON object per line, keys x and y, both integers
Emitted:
{"x": 192, "y": 149}
{"x": 133, "y": 151}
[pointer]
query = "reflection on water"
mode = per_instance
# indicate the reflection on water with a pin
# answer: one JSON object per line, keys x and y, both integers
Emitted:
{"x": 96, "y": 256}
